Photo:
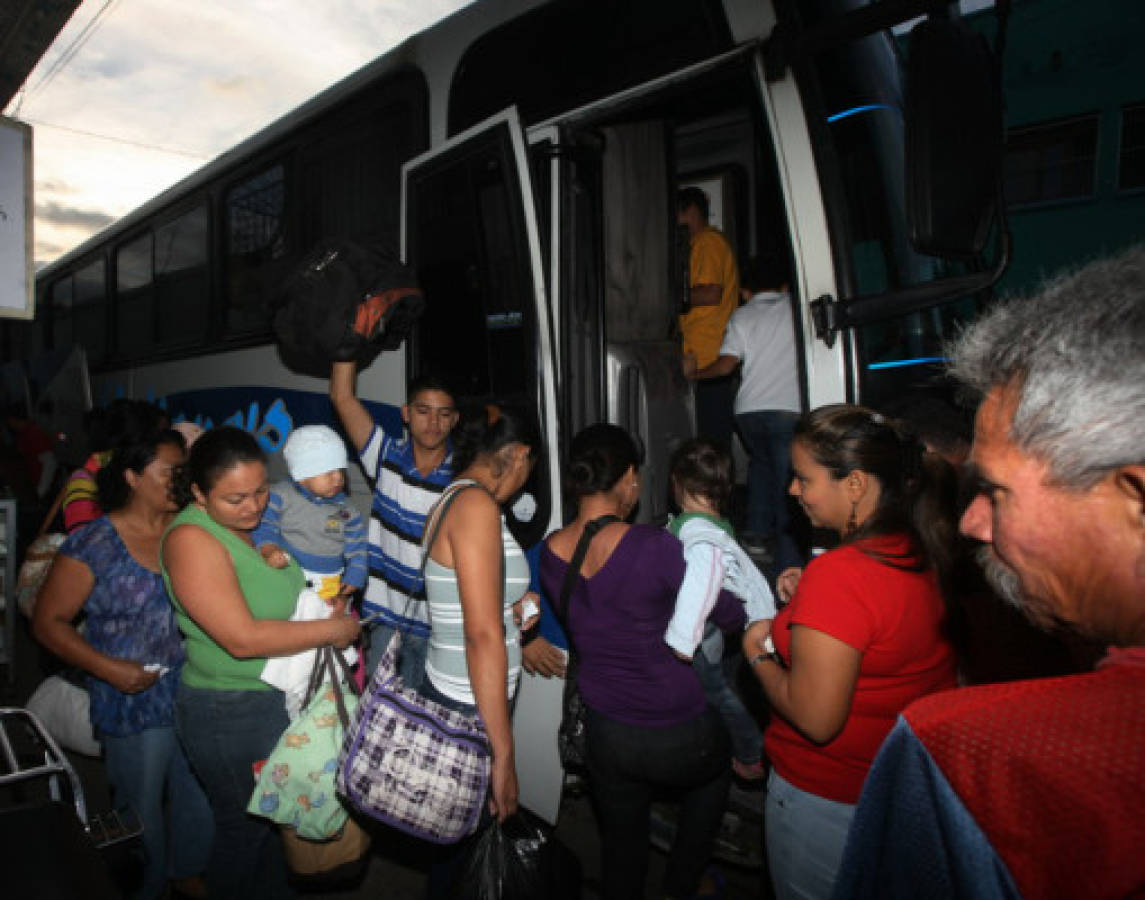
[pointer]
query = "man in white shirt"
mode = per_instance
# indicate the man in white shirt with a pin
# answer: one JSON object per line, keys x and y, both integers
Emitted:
{"x": 760, "y": 337}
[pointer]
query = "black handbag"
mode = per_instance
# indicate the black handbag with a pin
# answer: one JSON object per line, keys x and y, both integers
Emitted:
{"x": 571, "y": 733}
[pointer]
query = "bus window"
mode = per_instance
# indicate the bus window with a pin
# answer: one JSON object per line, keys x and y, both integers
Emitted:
{"x": 89, "y": 311}
{"x": 465, "y": 248}
{"x": 182, "y": 285}
{"x": 351, "y": 177}
{"x": 256, "y": 248}
{"x": 61, "y": 314}
{"x": 134, "y": 296}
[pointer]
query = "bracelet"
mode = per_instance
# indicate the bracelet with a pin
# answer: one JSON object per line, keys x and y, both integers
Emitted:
{"x": 764, "y": 656}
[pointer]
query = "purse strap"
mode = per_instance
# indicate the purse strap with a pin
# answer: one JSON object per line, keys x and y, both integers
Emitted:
{"x": 325, "y": 660}
{"x": 438, "y": 516}
{"x": 590, "y": 530}
{"x": 55, "y": 508}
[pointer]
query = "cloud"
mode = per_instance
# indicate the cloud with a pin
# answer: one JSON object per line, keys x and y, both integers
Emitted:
{"x": 221, "y": 72}
{"x": 72, "y": 216}
{"x": 54, "y": 186}
{"x": 231, "y": 84}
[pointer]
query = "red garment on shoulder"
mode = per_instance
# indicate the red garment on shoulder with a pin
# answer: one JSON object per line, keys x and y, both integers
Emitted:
{"x": 894, "y": 617}
{"x": 1053, "y": 771}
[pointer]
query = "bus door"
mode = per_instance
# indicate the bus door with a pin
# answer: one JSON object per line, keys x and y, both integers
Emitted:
{"x": 469, "y": 226}
{"x": 612, "y": 170}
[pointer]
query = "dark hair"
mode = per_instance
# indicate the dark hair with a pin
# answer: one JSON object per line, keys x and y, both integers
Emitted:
{"x": 218, "y": 451}
{"x": 123, "y": 421}
{"x": 767, "y": 271}
{"x": 598, "y": 457}
{"x": 703, "y": 468}
{"x": 485, "y": 426}
{"x": 918, "y": 491}
{"x": 134, "y": 455}
{"x": 934, "y": 420}
{"x": 428, "y": 381}
{"x": 693, "y": 196}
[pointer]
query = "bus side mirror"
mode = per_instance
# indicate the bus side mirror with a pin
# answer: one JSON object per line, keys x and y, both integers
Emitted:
{"x": 954, "y": 139}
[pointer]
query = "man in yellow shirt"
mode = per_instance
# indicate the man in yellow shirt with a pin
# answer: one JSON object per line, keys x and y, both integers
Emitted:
{"x": 714, "y": 295}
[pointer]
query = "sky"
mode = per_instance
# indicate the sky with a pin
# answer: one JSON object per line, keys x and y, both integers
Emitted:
{"x": 134, "y": 95}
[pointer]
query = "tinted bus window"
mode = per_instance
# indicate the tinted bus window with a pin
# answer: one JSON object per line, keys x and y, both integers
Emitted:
{"x": 89, "y": 311}
{"x": 465, "y": 236}
{"x": 537, "y": 60}
{"x": 256, "y": 248}
{"x": 134, "y": 295}
{"x": 182, "y": 285}
{"x": 61, "y": 313}
{"x": 351, "y": 177}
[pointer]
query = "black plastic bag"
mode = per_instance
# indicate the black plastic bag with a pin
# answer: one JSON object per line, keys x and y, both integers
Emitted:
{"x": 519, "y": 859}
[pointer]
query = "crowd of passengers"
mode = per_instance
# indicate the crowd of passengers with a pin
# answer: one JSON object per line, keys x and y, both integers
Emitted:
{"x": 186, "y": 595}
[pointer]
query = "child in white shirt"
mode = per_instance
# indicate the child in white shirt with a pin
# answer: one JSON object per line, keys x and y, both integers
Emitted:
{"x": 702, "y": 479}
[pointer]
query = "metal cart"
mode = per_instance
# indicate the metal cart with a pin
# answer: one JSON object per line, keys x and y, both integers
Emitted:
{"x": 50, "y": 845}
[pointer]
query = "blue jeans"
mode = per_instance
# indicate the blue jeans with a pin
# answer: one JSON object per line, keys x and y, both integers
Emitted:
{"x": 805, "y": 835}
{"x": 224, "y": 734}
{"x": 747, "y": 739}
{"x": 628, "y": 765}
{"x": 141, "y": 769}
{"x": 411, "y": 660}
{"x": 767, "y": 435}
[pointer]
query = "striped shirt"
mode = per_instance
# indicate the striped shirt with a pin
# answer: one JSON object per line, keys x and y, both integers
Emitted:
{"x": 446, "y": 665}
{"x": 81, "y": 497}
{"x": 324, "y": 534}
{"x": 402, "y": 497}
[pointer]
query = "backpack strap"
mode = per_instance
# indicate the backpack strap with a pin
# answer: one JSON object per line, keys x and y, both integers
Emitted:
{"x": 590, "y": 530}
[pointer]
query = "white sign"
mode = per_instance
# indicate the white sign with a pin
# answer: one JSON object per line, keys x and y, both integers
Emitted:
{"x": 17, "y": 278}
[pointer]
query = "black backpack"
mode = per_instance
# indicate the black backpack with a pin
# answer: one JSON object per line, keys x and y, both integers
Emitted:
{"x": 319, "y": 303}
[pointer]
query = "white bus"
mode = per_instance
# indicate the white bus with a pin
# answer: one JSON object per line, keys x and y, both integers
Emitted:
{"x": 525, "y": 157}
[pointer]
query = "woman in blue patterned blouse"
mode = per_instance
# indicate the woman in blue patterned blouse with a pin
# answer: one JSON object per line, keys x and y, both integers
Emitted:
{"x": 132, "y": 652}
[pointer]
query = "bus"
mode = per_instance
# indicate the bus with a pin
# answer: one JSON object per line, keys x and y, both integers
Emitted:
{"x": 525, "y": 156}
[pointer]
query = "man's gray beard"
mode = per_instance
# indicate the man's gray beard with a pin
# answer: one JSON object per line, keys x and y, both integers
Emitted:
{"x": 1002, "y": 578}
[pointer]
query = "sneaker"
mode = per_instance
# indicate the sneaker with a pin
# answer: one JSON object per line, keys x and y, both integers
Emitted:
{"x": 749, "y": 771}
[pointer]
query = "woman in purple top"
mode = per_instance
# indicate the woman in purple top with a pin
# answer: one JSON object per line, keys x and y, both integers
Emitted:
{"x": 133, "y": 652}
{"x": 649, "y": 726}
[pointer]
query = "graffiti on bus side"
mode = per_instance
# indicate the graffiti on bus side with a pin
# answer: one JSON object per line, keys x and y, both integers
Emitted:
{"x": 270, "y": 429}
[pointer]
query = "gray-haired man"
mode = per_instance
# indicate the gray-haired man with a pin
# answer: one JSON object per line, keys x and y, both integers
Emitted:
{"x": 1035, "y": 788}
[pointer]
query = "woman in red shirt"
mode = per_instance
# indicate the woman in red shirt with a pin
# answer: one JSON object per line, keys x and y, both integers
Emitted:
{"x": 861, "y": 637}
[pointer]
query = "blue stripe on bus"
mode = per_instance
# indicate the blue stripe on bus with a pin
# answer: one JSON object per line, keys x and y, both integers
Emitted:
{"x": 899, "y": 363}
{"x": 856, "y": 110}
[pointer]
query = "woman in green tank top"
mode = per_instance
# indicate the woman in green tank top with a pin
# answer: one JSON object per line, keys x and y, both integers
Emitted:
{"x": 234, "y": 609}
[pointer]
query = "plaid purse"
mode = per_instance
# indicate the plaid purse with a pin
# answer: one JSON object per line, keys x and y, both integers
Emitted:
{"x": 414, "y": 764}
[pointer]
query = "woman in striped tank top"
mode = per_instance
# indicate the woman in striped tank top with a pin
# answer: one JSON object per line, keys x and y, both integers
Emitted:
{"x": 475, "y": 574}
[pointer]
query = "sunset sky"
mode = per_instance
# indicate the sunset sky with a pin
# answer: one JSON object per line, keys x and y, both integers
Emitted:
{"x": 154, "y": 90}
